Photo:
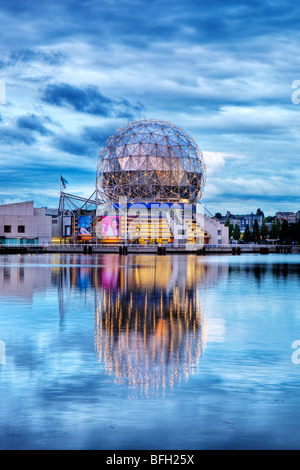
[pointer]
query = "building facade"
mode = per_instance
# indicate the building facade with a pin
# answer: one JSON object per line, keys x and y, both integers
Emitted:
{"x": 215, "y": 232}
{"x": 242, "y": 220}
{"x": 290, "y": 217}
{"x": 22, "y": 224}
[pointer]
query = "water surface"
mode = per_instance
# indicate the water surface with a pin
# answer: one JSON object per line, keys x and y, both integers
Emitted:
{"x": 149, "y": 352}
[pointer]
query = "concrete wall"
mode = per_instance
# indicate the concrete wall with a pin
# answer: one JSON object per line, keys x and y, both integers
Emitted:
{"x": 219, "y": 234}
{"x": 36, "y": 224}
{"x": 19, "y": 208}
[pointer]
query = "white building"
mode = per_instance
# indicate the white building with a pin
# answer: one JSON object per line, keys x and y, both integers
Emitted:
{"x": 21, "y": 223}
{"x": 215, "y": 232}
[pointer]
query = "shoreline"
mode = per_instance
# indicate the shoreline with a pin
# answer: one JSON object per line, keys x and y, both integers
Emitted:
{"x": 155, "y": 250}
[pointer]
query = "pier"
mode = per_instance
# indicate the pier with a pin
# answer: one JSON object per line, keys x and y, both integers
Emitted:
{"x": 160, "y": 250}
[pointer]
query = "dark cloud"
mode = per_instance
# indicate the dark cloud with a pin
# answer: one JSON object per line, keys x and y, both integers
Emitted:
{"x": 32, "y": 123}
{"x": 96, "y": 135}
{"x": 9, "y": 135}
{"x": 72, "y": 144}
{"x": 87, "y": 142}
{"x": 35, "y": 55}
{"x": 88, "y": 100}
{"x": 140, "y": 24}
{"x": 23, "y": 130}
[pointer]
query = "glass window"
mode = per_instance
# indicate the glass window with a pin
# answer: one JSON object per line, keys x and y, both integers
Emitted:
{"x": 7, "y": 228}
{"x": 21, "y": 228}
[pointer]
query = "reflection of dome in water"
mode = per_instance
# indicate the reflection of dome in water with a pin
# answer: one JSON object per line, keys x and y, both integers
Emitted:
{"x": 150, "y": 329}
{"x": 150, "y": 345}
{"x": 151, "y": 160}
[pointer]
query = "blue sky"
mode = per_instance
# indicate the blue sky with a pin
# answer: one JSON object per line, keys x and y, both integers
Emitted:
{"x": 75, "y": 71}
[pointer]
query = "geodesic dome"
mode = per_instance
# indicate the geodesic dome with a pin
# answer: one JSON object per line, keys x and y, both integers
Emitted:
{"x": 151, "y": 160}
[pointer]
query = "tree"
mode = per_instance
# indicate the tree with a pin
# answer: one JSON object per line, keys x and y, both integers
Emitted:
{"x": 295, "y": 233}
{"x": 284, "y": 232}
{"x": 247, "y": 235}
{"x": 275, "y": 230}
{"x": 231, "y": 227}
{"x": 218, "y": 215}
{"x": 236, "y": 232}
{"x": 255, "y": 232}
{"x": 264, "y": 230}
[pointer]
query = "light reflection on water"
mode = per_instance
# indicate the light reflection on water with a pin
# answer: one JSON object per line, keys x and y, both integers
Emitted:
{"x": 150, "y": 338}
{"x": 143, "y": 351}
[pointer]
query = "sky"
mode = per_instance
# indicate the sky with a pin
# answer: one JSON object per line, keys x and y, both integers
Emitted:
{"x": 73, "y": 72}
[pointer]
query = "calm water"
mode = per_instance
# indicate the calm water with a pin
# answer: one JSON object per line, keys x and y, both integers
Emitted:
{"x": 146, "y": 352}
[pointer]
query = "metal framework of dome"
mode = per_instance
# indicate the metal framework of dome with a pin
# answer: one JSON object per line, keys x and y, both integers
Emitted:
{"x": 151, "y": 160}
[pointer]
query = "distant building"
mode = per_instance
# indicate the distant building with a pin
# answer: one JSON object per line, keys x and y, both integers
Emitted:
{"x": 243, "y": 220}
{"x": 21, "y": 223}
{"x": 290, "y": 217}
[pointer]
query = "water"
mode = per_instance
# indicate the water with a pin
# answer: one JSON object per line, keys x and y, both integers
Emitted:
{"x": 147, "y": 352}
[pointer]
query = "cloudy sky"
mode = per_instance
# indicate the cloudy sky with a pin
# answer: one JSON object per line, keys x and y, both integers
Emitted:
{"x": 75, "y": 71}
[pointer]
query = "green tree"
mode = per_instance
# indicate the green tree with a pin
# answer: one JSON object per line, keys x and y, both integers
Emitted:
{"x": 275, "y": 230}
{"x": 255, "y": 232}
{"x": 264, "y": 230}
{"x": 294, "y": 231}
{"x": 247, "y": 234}
{"x": 284, "y": 232}
{"x": 236, "y": 232}
{"x": 231, "y": 227}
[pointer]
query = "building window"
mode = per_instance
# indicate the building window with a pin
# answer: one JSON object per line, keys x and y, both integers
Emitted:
{"x": 219, "y": 232}
{"x": 7, "y": 228}
{"x": 68, "y": 231}
{"x": 21, "y": 228}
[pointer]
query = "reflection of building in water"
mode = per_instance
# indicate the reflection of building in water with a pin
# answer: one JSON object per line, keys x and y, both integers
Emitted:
{"x": 150, "y": 333}
{"x": 21, "y": 278}
{"x": 150, "y": 330}
{"x": 149, "y": 342}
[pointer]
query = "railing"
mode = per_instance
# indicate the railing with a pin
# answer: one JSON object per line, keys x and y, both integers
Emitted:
{"x": 184, "y": 246}
{"x": 134, "y": 245}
